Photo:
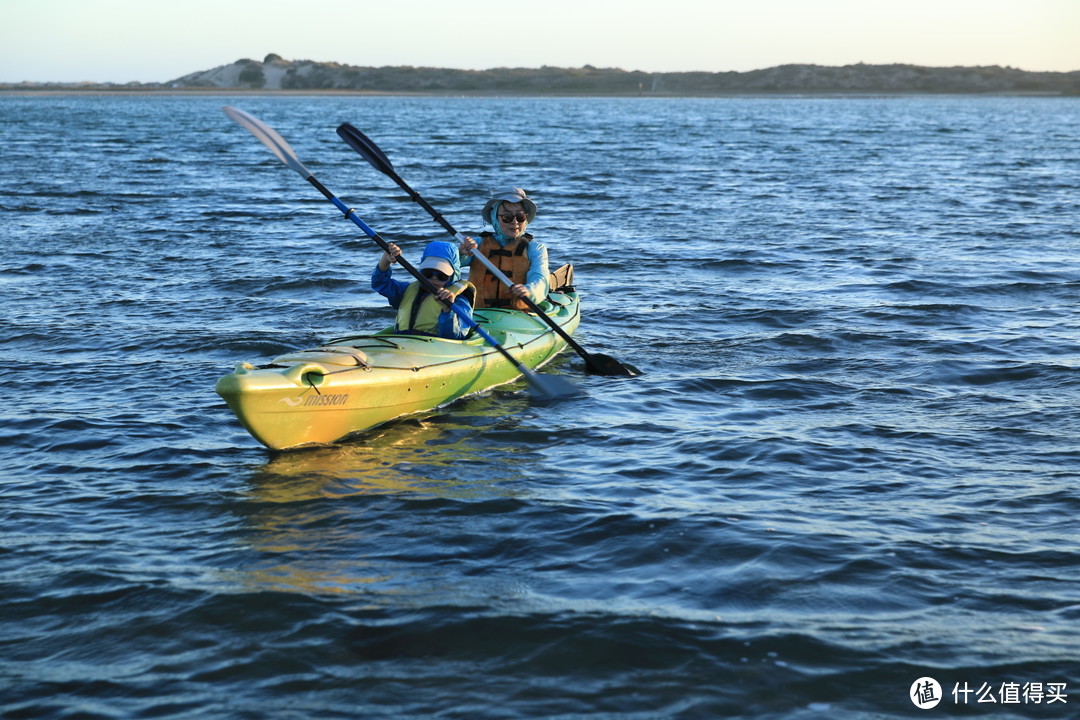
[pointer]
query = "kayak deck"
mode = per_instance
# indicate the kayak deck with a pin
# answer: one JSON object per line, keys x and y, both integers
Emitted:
{"x": 356, "y": 382}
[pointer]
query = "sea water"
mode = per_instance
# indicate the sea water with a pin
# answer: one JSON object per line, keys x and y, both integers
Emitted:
{"x": 850, "y": 466}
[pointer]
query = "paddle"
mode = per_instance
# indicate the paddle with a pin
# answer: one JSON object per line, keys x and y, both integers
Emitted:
{"x": 595, "y": 363}
{"x": 546, "y": 386}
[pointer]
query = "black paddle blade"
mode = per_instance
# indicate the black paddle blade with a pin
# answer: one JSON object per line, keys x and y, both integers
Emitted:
{"x": 551, "y": 387}
{"x": 362, "y": 144}
{"x": 601, "y": 364}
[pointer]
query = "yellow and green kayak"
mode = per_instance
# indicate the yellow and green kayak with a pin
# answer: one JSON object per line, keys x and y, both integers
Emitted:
{"x": 353, "y": 383}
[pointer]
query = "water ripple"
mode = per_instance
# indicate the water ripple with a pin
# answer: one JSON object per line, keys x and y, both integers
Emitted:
{"x": 850, "y": 463}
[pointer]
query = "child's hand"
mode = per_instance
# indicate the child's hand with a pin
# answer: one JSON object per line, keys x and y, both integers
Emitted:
{"x": 389, "y": 257}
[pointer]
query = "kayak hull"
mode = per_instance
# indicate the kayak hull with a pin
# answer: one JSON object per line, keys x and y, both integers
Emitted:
{"x": 351, "y": 384}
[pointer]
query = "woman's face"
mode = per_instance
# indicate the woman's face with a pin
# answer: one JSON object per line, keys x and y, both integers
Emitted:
{"x": 512, "y": 219}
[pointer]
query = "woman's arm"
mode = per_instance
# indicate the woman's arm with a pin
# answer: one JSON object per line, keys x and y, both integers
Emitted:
{"x": 536, "y": 281}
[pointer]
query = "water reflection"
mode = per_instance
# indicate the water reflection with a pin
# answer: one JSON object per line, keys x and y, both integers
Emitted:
{"x": 355, "y": 518}
{"x": 437, "y": 454}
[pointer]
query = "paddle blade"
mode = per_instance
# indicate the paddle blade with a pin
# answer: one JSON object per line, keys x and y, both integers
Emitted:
{"x": 601, "y": 364}
{"x": 362, "y": 144}
{"x": 268, "y": 137}
{"x": 551, "y": 387}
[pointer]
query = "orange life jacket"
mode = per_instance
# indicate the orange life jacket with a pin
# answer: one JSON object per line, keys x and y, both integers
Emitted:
{"x": 513, "y": 260}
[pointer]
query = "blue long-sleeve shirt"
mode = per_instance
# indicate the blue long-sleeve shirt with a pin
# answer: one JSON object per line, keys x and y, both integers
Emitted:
{"x": 450, "y": 324}
{"x": 536, "y": 280}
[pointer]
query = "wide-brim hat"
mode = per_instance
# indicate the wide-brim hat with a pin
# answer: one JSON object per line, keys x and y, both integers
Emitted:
{"x": 512, "y": 195}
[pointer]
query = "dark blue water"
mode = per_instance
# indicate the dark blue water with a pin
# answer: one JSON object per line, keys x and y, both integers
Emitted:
{"x": 852, "y": 461}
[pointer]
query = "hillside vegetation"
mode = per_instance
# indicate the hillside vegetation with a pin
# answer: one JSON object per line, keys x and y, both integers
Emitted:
{"x": 276, "y": 73}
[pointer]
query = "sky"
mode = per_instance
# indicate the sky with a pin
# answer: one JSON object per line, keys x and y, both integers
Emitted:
{"x": 122, "y": 41}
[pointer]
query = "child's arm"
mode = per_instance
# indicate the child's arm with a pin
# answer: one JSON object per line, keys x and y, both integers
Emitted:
{"x": 382, "y": 280}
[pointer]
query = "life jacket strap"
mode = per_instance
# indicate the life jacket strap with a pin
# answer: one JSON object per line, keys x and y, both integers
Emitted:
{"x": 415, "y": 310}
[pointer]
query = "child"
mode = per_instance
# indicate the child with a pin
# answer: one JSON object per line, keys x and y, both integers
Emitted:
{"x": 420, "y": 312}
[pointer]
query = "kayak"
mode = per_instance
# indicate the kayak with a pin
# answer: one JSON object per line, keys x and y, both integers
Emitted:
{"x": 353, "y": 383}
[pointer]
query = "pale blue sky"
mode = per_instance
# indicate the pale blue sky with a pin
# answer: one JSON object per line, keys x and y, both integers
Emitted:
{"x": 159, "y": 40}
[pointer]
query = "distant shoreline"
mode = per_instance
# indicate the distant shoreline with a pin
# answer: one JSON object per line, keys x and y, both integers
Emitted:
{"x": 249, "y": 92}
{"x": 276, "y": 76}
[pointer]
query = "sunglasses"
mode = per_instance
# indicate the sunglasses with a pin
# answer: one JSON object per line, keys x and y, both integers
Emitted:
{"x": 432, "y": 273}
{"x": 519, "y": 218}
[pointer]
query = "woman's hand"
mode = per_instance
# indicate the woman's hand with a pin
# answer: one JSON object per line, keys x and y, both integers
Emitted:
{"x": 519, "y": 291}
{"x": 446, "y": 296}
{"x": 467, "y": 246}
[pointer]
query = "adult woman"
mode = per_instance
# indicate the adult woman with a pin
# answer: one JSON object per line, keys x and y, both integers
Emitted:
{"x": 511, "y": 249}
